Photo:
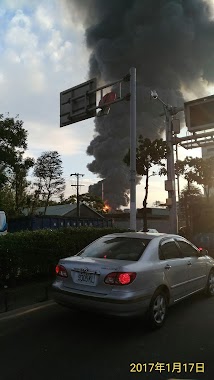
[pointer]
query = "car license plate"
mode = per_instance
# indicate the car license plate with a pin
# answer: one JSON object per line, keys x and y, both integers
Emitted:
{"x": 85, "y": 278}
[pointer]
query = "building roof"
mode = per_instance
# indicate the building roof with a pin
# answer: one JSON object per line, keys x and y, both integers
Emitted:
{"x": 60, "y": 210}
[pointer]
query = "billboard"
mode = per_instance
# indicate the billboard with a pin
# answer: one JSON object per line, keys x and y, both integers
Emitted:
{"x": 77, "y": 103}
{"x": 199, "y": 114}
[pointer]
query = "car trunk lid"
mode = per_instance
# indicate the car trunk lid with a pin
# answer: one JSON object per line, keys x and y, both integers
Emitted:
{"x": 88, "y": 274}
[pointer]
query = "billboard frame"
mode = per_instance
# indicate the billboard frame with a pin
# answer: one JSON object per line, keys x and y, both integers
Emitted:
{"x": 78, "y": 103}
{"x": 194, "y": 103}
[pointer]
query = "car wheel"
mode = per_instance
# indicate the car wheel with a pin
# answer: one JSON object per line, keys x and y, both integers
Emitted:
{"x": 158, "y": 309}
{"x": 210, "y": 284}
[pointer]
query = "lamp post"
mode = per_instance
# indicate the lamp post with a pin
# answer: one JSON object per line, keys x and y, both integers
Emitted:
{"x": 170, "y": 183}
{"x": 173, "y": 219}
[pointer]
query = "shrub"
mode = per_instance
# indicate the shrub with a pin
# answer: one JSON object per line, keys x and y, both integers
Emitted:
{"x": 30, "y": 254}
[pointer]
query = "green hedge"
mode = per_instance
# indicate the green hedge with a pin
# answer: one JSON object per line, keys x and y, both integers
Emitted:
{"x": 30, "y": 254}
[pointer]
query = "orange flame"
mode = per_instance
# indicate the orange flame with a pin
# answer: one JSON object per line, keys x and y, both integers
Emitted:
{"x": 106, "y": 208}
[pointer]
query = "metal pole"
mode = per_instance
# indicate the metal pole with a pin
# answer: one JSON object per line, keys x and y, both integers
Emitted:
{"x": 77, "y": 186}
{"x": 178, "y": 177}
{"x": 133, "y": 149}
{"x": 78, "y": 202}
{"x": 102, "y": 192}
{"x": 171, "y": 173}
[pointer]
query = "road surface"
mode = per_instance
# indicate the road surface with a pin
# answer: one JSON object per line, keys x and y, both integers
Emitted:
{"x": 56, "y": 343}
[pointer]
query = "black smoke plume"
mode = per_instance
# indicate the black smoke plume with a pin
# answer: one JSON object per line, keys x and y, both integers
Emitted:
{"x": 170, "y": 42}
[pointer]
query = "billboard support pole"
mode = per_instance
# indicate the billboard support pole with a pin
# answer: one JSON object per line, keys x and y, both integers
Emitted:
{"x": 80, "y": 103}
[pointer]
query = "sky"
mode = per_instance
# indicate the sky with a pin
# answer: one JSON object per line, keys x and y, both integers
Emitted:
{"x": 43, "y": 52}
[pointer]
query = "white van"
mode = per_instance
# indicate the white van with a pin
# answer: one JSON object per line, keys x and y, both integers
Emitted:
{"x": 3, "y": 223}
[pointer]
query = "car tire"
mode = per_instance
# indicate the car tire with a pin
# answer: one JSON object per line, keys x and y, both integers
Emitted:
{"x": 210, "y": 284}
{"x": 158, "y": 309}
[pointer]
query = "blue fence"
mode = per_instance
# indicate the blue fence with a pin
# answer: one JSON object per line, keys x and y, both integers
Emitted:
{"x": 45, "y": 222}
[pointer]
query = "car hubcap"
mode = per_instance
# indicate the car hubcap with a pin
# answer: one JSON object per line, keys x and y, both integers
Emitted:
{"x": 159, "y": 309}
{"x": 211, "y": 283}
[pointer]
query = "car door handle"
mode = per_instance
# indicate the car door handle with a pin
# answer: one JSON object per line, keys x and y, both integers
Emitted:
{"x": 168, "y": 266}
{"x": 189, "y": 263}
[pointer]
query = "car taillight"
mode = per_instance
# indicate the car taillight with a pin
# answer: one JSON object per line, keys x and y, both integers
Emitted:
{"x": 61, "y": 271}
{"x": 120, "y": 278}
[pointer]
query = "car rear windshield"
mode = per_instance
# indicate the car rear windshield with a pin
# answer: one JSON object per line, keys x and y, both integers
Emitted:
{"x": 118, "y": 248}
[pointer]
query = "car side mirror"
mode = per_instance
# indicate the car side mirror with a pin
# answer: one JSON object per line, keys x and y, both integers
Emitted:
{"x": 203, "y": 252}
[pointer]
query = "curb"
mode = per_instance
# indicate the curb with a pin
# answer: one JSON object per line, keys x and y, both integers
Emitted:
{"x": 25, "y": 310}
{"x": 22, "y": 296}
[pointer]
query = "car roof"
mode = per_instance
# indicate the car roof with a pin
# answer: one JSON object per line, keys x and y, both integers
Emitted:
{"x": 141, "y": 235}
{"x": 149, "y": 230}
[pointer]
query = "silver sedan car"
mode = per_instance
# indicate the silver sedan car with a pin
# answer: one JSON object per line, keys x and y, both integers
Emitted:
{"x": 133, "y": 273}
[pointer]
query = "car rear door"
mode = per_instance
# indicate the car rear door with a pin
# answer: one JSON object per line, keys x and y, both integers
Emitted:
{"x": 196, "y": 265}
{"x": 174, "y": 267}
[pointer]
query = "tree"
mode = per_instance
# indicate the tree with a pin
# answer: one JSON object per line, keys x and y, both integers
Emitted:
{"x": 148, "y": 154}
{"x": 90, "y": 200}
{"x": 93, "y": 201}
{"x": 7, "y": 200}
{"x": 198, "y": 170}
{"x": 13, "y": 168}
{"x": 48, "y": 171}
{"x": 190, "y": 198}
{"x": 13, "y": 137}
{"x": 18, "y": 179}
{"x": 72, "y": 199}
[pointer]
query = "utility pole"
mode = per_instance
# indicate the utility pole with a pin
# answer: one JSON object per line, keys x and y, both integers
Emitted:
{"x": 133, "y": 223}
{"x": 77, "y": 186}
{"x": 102, "y": 191}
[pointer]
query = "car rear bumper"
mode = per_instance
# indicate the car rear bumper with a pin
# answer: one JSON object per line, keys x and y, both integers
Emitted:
{"x": 105, "y": 305}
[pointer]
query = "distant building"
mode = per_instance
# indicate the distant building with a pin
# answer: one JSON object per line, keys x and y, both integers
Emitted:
{"x": 157, "y": 218}
{"x": 66, "y": 210}
{"x": 58, "y": 216}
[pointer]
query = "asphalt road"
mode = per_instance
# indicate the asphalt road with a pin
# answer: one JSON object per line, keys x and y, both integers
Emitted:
{"x": 56, "y": 343}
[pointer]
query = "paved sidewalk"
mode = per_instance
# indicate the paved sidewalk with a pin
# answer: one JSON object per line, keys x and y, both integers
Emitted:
{"x": 25, "y": 295}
